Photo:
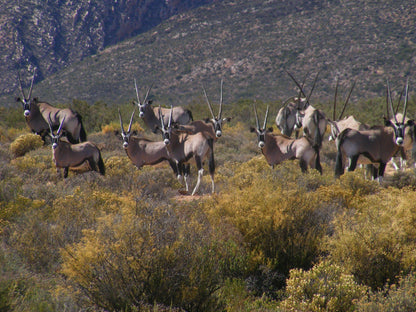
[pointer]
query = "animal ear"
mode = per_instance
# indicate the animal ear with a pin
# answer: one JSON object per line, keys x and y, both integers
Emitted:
{"x": 387, "y": 122}
{"x": 35, "y": 99}
{"x": 270, "y": 129}
{"x": 207, "y": 119}
{"x": 135, "y": 132}
{"x": 150, "y": 102}
{"x": 18, "y": 99}
{"x": 410, "y": 122}
{"x": 116, "y": 132}
{"x": 252, "y": 129}
{"x": 227, "y": 119}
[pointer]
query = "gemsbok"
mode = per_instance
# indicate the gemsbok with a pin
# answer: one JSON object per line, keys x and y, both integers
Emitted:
{"x": 67, "y": 155}
{"x": 312, "y": 120}
{"x": 150, "y": 115}
{"x": 378, "y": 144}
{"x": 142, "y": 151}
{"x": 337, "y": 124}
{"x": 183, "y": 147}
{"x": 37, "y": 114}
{"x": 278, "y": 148}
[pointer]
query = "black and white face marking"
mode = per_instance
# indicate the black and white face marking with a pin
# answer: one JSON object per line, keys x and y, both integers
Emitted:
{"x": 26, "y": 102}
{"x": 145, "y": 105}
{"x": 126, "y": 138}
{"x": 126, "y": 135}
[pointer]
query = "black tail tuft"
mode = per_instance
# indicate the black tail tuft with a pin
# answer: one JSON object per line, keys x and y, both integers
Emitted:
{"x": 339, "y": 167}
{"x": 318, "y": 161}
{"x": 101, "y": 167}
{"x": 317, "y": 142}
{"x": 191, "y": 118}
{"x": 82, "y": 133}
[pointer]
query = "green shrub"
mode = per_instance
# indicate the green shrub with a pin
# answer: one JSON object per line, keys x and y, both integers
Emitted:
{"x": 325, "y": 287}
{"x": 25, "y": 143}
{"x": 394, "y": 298}
{"x": 152, "y": 255}
{"x": 375, "y": 239}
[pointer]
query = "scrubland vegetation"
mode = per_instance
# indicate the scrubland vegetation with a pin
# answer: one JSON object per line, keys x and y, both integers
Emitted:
{"x": 267, "y": 240}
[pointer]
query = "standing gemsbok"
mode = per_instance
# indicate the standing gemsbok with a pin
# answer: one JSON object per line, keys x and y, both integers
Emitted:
{"x": 150, "y": 115}
{"x": 37, "y": 114}
{"x": 142, "y": 151}
{"x": 183, "y": 147}
{"x": 278, "y": 148}
{"x": 377, "y": 144}
{"x": 66, "y": 155}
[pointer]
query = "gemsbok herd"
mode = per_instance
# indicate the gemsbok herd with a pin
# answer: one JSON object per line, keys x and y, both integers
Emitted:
{"x": 184, "y": 140}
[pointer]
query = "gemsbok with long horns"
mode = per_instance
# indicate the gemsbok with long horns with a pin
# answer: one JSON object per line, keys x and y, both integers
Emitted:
{"x": 150, "y": 114}
{"x": 183, "y": 147}
{"x": 312, "y": 120}
{"x": 278, "y": 148}
{"x": 142, "y": 151}
{"x": 378, "y": 144}
{"x": 37, "y": 116}
{"x": 337, "y": 124}
{"x": 67, "y": 155}
{"x": 410, "y": 132}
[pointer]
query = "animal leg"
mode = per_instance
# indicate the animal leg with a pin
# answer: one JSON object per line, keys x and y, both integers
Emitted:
{"x": 200, "y": 173}
{"x": 353, "y": 163}
{"x": 66, "y": 172}
{"x": 303, "y": 165}
{"x": 381, "y": 169}
{"x": 186, "y": 170}
{"x": 58, "y": 172}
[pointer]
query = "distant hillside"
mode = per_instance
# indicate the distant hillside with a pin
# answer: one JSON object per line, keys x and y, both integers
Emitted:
{"x": 251, "y": 44}
{"x": 50, "y": 35}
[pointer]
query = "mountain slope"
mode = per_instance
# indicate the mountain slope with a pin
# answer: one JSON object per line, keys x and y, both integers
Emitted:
{"x": 251, "y": 44}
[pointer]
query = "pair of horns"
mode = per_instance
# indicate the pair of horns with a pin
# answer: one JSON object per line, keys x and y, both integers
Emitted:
{"x": 60, "y": 126}
{"x": 301, "y": 86}
{"x": 346, "y": 101}
{"x": 137, "y": 92}
{"x": 161, "y": 118}
{"x": 131, "y": 121}
{"x": 389, "y": 102}
{"x": 257, "y": 117}
{"x": 31, "y": 86}
{"x": 209, "y": 104}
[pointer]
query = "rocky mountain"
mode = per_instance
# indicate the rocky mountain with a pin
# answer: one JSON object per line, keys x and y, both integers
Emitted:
{"x": 249, "y": 43}
{"x": 50, "y": 35}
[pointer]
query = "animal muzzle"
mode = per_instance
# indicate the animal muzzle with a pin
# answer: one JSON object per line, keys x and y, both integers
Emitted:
{"x": 218, "y": 134}
{"x": 54, "y": 145}
{"x": 125, "y": 144}
{"x": 141, "y": 114}
{"x": 166, "y": 141}
{"x": 399, "y": 141}
{"x": 26, "y": 113}
{"x": 261, "y": 144}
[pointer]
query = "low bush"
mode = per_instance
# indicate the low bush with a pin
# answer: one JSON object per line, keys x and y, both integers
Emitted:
{"x": 325, "y": 287}
{"x": 25, "y": 143}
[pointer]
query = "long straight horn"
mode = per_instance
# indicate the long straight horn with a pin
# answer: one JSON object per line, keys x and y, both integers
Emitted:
{"x": 60, "y": 126}
{"x": 121, "y": 121}
{"x": 147, "y": 93}
{"x": 265, "y": 117}
{"x": 400, "y": 99}
{"x": 162, "y": 123}
{"x": 297, "y": 83}
{"x": 335, "y": 100}
{"x": 313, "y": 87}
{"x": 405, "y": 99}
{"x": 50, "y": 123}
{"x": 131, "y": 120}
{"x": 209, "y": 104}
{"x": 21, "y": 87}
{"x": 346, "y": 101}
{"x": 31, "y": 85}
{"x": 137, "y": 92}
{"x": 170, "y": 116}
{"x": 257, "y": 117}
{"x": 220, "y": 110}
{"x": 390, "y": 101}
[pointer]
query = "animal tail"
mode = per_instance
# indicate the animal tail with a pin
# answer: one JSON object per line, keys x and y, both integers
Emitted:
{"x": 317, "y": 142}
{"x": 191, "y": 118}
{"x": 82, "y": 133}
{"x": 339, "y": 167}
{"x": 101, "y": 167}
